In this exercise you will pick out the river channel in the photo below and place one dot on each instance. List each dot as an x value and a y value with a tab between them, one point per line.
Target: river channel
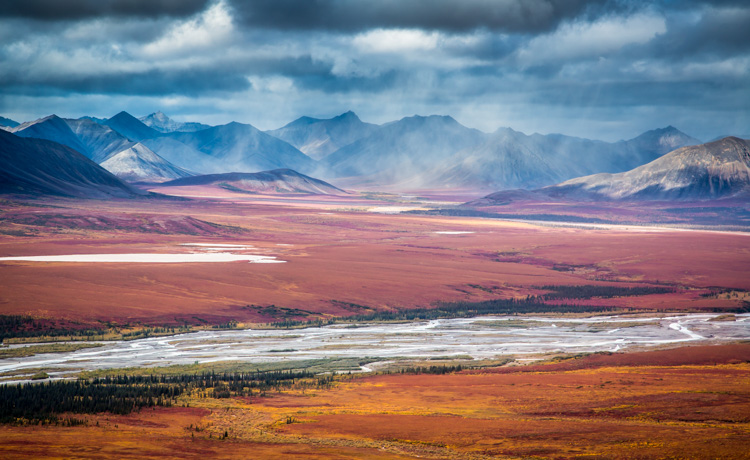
485	337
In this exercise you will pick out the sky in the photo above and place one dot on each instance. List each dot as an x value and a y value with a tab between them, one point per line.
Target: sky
608	69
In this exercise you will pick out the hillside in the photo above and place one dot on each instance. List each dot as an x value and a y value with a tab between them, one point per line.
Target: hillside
275	181
715	169
38	166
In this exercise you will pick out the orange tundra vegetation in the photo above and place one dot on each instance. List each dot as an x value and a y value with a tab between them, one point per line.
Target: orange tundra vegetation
691	402
337	261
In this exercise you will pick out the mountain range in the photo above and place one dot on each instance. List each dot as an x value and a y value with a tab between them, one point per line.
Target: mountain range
417	152
100	143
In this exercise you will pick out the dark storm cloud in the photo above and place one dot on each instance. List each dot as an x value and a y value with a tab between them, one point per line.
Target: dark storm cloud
54	10
330	84
728	96
497	61
149	83
724	31
448	15
220	76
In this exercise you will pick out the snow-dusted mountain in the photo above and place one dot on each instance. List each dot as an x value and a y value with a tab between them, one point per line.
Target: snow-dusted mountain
705	171
100	141
242	147
139	164
130	127
275	181
401	151
438	152
39	166
162	123
318	138
412	153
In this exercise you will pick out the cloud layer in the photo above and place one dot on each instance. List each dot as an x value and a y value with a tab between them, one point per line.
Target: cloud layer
602	69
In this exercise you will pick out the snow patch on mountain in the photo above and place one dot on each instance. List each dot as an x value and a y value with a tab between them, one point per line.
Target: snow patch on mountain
139	164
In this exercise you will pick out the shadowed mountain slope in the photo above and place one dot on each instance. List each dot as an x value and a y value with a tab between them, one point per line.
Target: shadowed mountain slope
131	127
38	166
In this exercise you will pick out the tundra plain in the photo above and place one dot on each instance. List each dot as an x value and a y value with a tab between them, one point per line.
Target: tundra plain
350	256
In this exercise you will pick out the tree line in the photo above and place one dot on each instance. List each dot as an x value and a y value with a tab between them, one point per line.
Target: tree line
525	305
122	394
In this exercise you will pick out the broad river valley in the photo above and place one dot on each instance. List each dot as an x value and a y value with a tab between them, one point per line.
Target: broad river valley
486	337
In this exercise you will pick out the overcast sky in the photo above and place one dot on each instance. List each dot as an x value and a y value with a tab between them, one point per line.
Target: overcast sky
598	69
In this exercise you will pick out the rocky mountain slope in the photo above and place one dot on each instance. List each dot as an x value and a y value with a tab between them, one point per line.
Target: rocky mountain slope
711	170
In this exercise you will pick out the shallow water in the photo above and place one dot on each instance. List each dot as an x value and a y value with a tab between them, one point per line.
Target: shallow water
481	338
205	252
151	258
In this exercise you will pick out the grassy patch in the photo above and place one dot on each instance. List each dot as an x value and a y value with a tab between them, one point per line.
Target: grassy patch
22	352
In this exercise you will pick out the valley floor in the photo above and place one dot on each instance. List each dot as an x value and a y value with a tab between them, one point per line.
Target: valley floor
342	258
684	403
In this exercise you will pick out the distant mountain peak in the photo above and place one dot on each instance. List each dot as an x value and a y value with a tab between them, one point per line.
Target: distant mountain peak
348	115
130	127
122	114
422	119
157	116
49	118
162	123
